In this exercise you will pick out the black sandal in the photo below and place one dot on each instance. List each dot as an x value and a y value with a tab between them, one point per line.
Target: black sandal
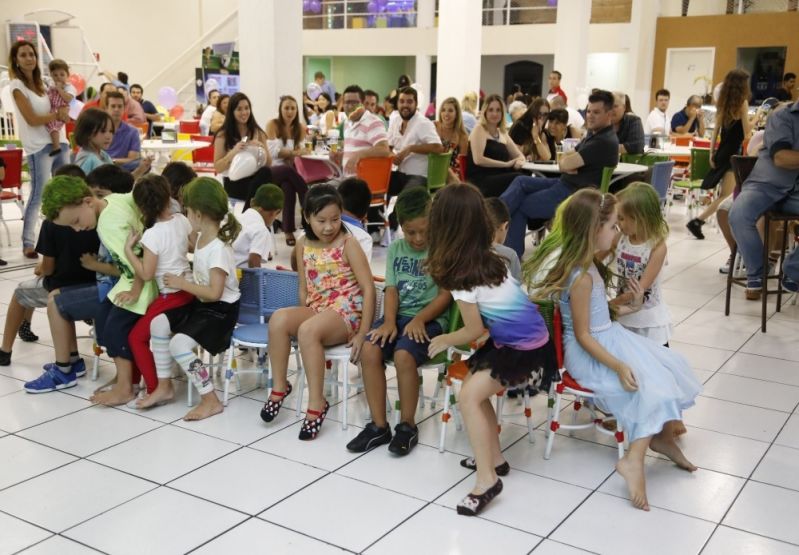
271	408
501	470
310	428
472	504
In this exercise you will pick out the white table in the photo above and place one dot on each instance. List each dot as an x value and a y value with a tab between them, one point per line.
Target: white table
671	150
162	151
335	168
622	170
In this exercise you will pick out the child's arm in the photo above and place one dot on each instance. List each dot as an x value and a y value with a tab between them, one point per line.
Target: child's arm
415	329
472	329
47	266
64	94
142	267
89	261
387	332
130	297
656	259
303	287
580	304
363	273
207	293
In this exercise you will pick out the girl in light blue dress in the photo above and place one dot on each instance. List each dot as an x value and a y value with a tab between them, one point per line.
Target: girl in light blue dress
644	385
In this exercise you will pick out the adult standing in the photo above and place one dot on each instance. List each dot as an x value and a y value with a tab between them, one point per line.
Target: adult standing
285	135
493	158
239	132
554	86
734	125
773	183
32	107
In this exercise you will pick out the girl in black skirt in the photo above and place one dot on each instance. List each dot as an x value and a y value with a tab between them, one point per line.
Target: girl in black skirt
518	349
209	320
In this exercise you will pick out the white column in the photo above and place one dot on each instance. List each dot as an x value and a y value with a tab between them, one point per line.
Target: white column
460	38
571	47
270	48
641	48
425	19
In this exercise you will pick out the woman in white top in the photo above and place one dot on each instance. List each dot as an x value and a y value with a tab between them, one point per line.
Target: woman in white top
208	113
33	114
285	137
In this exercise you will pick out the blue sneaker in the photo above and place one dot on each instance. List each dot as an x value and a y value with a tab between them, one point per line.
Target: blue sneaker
78	368
52	380
789	285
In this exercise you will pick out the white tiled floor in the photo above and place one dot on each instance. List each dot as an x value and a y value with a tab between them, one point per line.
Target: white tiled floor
81	479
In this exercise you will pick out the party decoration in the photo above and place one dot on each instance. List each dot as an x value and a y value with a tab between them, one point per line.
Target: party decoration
211	85
161	110
167	97
177	111
77	81
246	163
75	108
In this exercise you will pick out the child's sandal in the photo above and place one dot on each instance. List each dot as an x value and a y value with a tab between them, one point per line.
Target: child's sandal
310	428
271	408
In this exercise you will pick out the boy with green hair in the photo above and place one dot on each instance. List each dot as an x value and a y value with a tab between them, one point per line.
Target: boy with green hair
255	242
414	312
70	202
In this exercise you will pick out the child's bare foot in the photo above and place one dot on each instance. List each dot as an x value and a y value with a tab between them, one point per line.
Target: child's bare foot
665	445
106	385
114	397
209	406
678	428
633	474
162	395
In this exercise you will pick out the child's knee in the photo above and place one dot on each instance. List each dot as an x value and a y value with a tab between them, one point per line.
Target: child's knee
159	326
309	332
278	322
404	359
371	355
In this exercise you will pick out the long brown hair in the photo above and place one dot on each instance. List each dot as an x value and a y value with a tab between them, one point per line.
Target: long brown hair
230	128
734	91
286	131
460	255
15	72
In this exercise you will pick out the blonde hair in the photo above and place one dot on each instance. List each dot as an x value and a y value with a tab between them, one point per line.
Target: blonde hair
640	202
458	123
502	125
469	102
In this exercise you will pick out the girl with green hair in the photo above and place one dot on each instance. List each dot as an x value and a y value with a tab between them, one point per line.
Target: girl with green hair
209	320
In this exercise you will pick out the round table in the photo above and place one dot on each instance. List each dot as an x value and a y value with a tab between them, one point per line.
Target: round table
671	150
163	151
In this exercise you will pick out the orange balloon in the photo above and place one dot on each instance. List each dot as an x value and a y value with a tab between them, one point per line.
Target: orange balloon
176	111
77	81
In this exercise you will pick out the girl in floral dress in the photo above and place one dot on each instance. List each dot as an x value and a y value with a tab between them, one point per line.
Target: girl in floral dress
337	301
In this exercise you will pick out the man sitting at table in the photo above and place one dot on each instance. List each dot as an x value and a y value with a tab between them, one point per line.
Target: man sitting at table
690	120
125	149
150	111
771	185
576	121
785	92
133	113
628	127
364	134
412	137
538	197
657	122
99	101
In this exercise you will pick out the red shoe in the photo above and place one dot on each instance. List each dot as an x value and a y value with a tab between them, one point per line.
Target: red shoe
310	428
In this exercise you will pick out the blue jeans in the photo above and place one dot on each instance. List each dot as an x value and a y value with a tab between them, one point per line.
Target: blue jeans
747	208
41	167
531	198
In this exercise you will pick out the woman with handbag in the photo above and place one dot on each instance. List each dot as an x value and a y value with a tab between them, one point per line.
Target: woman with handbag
240	152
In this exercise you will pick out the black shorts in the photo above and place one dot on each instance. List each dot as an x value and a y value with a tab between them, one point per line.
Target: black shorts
209	324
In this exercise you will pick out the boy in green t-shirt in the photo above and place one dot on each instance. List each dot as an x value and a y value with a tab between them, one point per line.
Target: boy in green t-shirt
70	202
414	312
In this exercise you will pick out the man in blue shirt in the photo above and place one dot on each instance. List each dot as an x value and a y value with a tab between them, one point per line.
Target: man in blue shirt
125	149
773	184
690	120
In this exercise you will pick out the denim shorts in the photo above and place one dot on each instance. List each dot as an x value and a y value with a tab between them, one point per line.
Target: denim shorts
31	293
78	302
404	343
112	326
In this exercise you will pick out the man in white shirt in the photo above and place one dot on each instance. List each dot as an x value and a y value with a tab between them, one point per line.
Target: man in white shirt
208	113
576	121
658	121
412	137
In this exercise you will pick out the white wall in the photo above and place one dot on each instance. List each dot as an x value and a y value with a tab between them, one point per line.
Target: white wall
492	73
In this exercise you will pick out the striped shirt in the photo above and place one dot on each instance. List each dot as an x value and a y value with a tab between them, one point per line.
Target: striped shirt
362	134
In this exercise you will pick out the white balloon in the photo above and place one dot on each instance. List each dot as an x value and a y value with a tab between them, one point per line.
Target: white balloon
211	85
246	163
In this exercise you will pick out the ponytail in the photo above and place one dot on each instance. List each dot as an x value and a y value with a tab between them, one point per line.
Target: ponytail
230	229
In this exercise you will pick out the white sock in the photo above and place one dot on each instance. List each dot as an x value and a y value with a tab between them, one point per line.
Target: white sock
160	334
182	348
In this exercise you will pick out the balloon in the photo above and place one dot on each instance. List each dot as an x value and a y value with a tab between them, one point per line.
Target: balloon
161	110
167	97
306	5
77	81
246	163
372	7
177	111
316	6
75	108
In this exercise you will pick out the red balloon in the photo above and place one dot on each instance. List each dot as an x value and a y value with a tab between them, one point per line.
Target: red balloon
77	81
176	111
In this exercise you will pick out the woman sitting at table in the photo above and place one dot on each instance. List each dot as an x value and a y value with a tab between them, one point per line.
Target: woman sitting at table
528	132
327	112
557	129
453	136
218	118
493	156
239	132
286	135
